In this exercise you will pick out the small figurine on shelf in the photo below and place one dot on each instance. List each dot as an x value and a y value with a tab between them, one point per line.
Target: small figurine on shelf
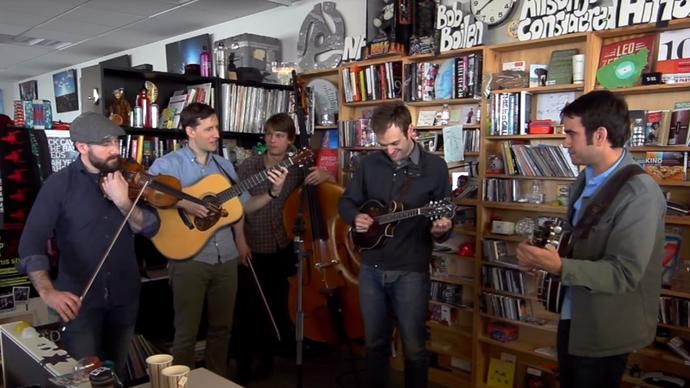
119	108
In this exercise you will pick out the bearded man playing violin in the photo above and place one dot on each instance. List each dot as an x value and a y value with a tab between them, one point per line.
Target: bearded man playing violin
81	207
211	273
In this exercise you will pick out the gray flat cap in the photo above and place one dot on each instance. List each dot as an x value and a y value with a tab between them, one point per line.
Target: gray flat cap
93	128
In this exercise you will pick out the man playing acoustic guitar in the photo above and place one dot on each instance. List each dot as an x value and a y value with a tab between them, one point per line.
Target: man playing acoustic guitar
211	272
395	275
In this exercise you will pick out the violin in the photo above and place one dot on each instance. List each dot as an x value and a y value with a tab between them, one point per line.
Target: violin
162	191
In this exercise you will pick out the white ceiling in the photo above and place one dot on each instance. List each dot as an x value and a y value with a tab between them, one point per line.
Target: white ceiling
81	30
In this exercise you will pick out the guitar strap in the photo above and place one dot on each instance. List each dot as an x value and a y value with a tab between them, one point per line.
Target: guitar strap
227	175
550	288
603	199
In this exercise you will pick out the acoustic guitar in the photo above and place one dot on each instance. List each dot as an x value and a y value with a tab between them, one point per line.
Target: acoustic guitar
385	219
181	235
551	233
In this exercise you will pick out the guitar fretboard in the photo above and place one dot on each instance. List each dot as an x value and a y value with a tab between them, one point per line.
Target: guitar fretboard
397	216
250	182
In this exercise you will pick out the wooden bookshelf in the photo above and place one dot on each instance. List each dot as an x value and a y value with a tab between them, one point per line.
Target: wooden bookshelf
647	97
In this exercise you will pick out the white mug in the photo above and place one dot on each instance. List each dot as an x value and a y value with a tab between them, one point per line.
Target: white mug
175	376
155	365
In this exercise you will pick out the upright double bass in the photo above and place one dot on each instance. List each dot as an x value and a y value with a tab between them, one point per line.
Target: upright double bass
330	296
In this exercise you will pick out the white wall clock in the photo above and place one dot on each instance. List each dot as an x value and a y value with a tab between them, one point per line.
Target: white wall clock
492	12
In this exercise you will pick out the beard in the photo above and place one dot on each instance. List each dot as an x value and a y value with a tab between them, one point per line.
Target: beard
105	166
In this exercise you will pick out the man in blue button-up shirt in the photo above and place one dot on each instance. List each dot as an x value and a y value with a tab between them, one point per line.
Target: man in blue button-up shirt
83	214
211	274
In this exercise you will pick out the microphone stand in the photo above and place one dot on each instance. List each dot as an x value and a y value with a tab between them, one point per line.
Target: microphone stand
298	230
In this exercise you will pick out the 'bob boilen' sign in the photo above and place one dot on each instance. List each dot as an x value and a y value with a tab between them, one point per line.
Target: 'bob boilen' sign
458	30
546	18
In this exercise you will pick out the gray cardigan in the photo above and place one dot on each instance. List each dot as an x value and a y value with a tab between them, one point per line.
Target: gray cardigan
615	273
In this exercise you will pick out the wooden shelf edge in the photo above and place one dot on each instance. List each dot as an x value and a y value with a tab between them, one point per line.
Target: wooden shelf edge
674	293
665	355
660	149
457	330
528	207
450	101
516	346
512	237
371	102
373	61
678	220
524	137
674	327
545	327
319	72
454	306
647	89
552	42
546	178
445	54
453	279
669	183
455	378
464	230
637	381
543	89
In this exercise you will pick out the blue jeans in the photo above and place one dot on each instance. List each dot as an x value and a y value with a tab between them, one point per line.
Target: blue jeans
406	294
590	372
102	332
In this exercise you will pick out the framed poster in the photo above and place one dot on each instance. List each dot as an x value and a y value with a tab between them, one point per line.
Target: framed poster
183	52
28	90
65	87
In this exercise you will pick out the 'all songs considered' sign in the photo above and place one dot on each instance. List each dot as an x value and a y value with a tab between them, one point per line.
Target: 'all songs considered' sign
546	18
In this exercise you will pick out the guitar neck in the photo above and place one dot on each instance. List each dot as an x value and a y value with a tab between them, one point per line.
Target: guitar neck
398	216
249	183
175	193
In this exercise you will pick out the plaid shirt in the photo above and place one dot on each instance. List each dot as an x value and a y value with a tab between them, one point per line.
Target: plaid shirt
264	228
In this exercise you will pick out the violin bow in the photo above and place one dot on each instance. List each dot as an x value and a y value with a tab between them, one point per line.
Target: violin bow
110	247
263	298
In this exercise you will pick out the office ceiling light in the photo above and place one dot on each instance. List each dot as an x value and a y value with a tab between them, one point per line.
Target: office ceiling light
30	41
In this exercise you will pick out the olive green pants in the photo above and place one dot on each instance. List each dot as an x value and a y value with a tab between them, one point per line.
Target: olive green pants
193	282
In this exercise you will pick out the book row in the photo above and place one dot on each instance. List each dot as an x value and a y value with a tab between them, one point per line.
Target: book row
544	160
459	77
510	113
674	311
503	279
446	293
507	307
373	82
245	108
